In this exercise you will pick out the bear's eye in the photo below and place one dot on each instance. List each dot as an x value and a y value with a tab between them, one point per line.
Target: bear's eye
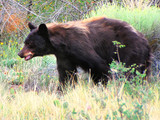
29	44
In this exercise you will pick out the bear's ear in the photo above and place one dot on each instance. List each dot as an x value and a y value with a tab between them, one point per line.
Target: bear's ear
43	30
31	26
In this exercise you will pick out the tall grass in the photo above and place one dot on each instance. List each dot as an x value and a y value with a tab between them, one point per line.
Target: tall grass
138	3
144	20
84	102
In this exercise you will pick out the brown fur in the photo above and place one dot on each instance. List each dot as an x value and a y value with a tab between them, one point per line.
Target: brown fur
89	44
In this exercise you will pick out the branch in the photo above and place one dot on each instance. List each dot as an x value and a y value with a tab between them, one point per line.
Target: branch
28	10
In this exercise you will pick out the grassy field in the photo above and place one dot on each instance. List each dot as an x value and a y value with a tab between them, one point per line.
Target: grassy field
84	102
28	89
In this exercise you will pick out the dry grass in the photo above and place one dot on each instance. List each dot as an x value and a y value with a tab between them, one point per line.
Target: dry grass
141	4
83	102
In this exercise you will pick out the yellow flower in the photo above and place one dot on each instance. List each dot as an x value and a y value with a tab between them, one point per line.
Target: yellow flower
1	43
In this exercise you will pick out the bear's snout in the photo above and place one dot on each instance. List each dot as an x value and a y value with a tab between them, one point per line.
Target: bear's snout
26	54
20	54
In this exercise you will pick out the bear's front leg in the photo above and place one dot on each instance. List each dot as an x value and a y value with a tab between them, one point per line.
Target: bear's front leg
67	73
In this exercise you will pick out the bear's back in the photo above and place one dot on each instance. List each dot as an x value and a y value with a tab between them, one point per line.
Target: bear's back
103	31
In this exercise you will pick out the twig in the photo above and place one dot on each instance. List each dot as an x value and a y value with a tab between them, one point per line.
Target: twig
29	7
72	6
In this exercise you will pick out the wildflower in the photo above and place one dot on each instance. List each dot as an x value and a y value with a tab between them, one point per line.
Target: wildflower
11	41
1	43
5	73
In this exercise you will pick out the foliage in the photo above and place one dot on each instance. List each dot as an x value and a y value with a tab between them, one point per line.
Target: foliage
15	14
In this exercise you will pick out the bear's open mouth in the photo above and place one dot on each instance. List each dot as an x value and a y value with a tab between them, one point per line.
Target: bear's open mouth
28	57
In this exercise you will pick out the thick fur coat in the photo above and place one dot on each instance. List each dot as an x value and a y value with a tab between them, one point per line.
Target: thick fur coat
87	44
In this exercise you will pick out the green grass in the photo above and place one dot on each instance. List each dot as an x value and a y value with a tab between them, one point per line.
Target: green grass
119	100
144	20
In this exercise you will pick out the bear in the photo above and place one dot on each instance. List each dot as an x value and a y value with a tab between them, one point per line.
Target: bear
88	44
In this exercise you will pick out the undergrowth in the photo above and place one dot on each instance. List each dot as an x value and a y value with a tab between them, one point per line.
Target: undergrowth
120	100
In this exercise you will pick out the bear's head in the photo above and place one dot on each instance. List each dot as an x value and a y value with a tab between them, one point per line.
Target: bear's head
37	42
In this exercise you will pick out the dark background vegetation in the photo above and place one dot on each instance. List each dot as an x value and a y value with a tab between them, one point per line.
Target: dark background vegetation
15	14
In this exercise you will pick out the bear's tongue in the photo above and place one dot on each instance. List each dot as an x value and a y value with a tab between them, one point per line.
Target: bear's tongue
28	57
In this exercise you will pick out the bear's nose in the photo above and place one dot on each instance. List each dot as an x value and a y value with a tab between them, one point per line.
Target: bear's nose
20	54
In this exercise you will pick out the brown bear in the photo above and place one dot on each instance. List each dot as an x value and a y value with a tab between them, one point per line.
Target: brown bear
87	44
